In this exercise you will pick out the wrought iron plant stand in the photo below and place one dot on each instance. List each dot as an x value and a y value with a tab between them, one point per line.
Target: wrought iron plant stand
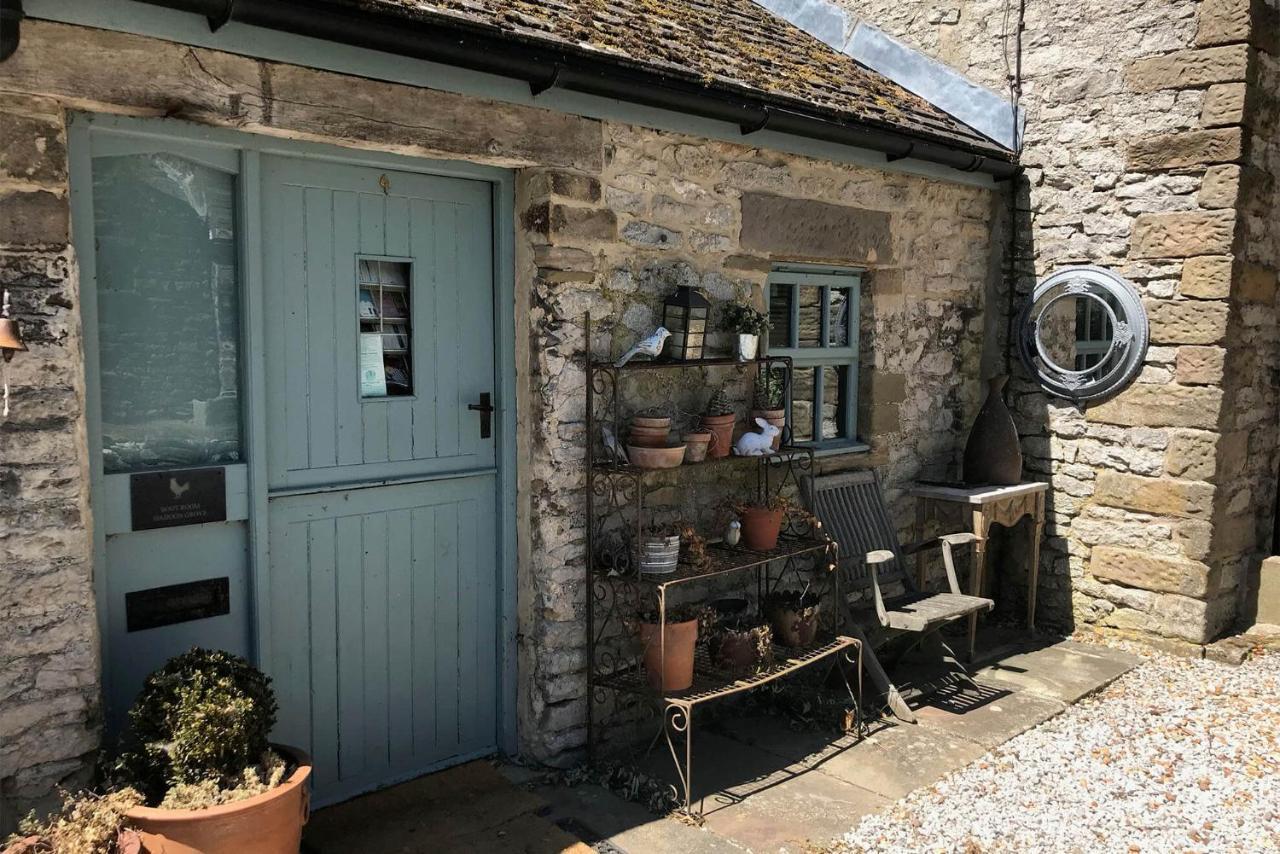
618	593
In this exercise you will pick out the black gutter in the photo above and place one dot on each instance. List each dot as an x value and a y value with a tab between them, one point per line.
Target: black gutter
465	46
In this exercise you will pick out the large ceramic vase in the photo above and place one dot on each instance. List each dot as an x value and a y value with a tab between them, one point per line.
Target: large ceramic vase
992	455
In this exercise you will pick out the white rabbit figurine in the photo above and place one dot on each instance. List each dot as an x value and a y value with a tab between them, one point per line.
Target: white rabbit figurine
757	444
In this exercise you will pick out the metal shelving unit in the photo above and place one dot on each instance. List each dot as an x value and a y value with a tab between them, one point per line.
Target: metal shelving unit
618	593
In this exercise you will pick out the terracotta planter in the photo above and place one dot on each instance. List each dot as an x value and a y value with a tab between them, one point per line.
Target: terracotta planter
663	457
737	648
776	417
656	421
696	445
793	628
760	527
721	427
270	823
648	437
669	665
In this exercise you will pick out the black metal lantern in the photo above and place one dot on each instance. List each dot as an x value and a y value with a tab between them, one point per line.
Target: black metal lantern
684	314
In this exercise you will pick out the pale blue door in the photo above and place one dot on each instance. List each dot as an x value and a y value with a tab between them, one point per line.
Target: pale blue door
382	630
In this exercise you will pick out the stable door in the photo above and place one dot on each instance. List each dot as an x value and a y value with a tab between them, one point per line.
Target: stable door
381	633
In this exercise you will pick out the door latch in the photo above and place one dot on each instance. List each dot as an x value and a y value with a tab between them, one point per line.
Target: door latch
485	408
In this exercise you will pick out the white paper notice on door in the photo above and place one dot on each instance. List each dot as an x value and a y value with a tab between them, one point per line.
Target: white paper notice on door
373	376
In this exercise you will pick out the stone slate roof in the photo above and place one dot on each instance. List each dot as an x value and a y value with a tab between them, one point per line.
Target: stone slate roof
732	44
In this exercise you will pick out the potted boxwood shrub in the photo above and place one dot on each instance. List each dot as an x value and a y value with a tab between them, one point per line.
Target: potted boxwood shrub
668	650
198	753
719	418
748	324
770	399
794	616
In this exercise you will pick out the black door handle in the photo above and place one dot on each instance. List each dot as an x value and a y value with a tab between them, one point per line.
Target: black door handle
485	408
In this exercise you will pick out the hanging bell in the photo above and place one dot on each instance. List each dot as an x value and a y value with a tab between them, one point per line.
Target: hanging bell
10	334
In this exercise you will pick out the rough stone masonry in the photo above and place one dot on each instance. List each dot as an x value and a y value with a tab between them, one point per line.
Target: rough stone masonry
610	217
1150	148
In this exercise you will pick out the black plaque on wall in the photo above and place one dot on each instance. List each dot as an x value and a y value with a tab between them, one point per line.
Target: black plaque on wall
164	499
177	603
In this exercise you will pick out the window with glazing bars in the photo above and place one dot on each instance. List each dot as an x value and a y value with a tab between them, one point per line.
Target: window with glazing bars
814	318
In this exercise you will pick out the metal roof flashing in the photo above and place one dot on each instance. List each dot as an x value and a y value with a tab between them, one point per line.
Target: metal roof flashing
980	108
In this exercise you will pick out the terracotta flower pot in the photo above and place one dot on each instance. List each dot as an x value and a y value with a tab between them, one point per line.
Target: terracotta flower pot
793	628
270	823
776	417
696	445
657	457
648	437
655	421
721	427
669	665
741	647
760	527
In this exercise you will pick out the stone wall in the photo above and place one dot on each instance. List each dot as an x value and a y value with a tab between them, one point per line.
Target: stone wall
609	217
1149	148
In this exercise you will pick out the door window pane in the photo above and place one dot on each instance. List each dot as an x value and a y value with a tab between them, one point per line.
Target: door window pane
780	316
838	324
802	404
833	408
168	312
385	342
810	316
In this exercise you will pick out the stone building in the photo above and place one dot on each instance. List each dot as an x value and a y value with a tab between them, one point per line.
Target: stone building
534	165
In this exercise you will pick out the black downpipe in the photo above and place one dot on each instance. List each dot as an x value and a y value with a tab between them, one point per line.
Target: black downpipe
543	67
11	16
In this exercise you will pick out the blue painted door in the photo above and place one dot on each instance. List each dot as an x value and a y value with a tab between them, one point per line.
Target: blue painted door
382	631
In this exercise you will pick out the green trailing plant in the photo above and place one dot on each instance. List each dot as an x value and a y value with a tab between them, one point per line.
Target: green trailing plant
719	403
200	724
770	389
742	319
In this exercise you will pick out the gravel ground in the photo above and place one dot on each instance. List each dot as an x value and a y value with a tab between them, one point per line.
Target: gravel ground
1176	756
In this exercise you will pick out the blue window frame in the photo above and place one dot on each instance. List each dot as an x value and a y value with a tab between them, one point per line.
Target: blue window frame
814	313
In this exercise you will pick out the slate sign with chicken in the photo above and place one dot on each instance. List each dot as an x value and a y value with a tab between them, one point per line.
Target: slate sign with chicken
164	499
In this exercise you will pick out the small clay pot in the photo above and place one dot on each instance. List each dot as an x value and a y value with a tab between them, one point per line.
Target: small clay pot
793	628
776	417
648	437
696	445
760	528
269	823
667	457
668	655
721	427
654	421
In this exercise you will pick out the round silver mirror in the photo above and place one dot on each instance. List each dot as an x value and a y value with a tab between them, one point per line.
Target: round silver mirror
1083	334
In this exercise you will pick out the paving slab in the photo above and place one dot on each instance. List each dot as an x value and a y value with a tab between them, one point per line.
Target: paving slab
464	809
1066	671
993	717
610	824
763	802
892	761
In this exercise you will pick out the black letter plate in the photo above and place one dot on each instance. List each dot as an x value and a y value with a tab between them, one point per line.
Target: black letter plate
176	603
164	499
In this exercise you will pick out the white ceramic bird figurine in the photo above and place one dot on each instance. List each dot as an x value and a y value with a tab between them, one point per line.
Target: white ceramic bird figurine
650	346
611	445
733	533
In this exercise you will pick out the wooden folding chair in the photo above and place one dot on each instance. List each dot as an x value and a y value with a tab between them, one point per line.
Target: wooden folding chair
881	602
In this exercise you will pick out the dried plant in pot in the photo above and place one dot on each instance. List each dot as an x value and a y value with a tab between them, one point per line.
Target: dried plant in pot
649	428
197	750
741	644
668	647
794	616
761	522
769	400
719	418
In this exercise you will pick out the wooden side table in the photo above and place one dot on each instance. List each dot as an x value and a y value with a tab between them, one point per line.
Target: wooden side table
987	506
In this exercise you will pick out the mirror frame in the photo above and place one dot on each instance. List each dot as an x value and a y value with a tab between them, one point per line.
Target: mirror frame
1129	342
